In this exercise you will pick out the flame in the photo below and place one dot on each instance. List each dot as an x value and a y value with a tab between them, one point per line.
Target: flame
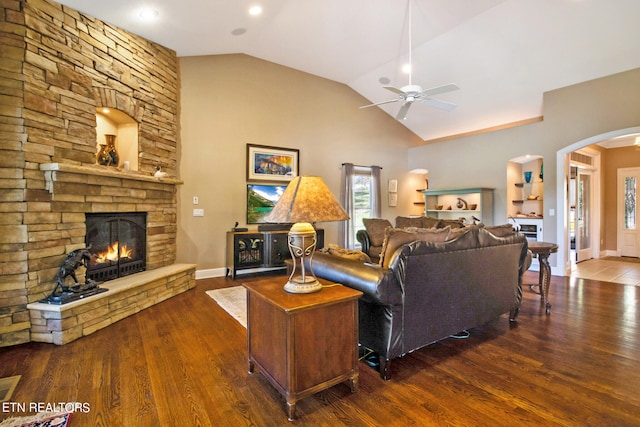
111	254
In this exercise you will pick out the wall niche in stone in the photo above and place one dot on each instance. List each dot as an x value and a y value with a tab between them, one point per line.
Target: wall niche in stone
111	121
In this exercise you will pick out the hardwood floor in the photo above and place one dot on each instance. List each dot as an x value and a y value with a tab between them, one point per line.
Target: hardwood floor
183	363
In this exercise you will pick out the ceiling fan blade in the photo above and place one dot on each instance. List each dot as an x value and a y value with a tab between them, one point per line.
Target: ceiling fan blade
395	90
380	103
402	114
442	105
440	89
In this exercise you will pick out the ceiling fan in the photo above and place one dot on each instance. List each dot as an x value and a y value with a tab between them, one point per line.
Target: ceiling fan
410	93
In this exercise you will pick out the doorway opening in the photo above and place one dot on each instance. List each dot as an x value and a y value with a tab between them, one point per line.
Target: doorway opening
584	204
563	174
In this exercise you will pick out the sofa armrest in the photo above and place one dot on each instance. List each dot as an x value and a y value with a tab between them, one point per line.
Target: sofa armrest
378	284
363	237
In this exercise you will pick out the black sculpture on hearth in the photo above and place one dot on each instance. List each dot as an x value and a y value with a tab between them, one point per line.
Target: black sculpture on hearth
63	293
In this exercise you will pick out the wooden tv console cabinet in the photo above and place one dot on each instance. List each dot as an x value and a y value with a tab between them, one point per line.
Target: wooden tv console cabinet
258	251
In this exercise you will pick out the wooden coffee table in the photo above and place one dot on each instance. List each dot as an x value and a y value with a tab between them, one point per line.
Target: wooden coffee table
302	343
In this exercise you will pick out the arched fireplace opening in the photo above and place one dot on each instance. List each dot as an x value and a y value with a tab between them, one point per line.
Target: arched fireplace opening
117	242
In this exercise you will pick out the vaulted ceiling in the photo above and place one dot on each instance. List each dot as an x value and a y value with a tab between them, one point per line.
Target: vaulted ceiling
503	54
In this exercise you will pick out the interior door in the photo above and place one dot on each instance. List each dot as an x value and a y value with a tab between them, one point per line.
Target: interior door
584	206
627	196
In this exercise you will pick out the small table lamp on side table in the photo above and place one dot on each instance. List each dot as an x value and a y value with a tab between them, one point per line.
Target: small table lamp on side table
306	200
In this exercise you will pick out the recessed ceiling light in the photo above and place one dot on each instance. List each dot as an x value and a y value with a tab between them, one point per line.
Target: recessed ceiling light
149	14
384	80
255	10
106	110
239	31
406	68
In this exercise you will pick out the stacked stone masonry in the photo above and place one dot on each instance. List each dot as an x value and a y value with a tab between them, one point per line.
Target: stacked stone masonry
125	296
58	65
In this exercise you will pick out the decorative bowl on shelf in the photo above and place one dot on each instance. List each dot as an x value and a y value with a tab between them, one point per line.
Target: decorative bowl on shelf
439	207
473	206
532	197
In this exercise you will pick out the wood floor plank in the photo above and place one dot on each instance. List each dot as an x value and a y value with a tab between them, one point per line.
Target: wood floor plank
184	363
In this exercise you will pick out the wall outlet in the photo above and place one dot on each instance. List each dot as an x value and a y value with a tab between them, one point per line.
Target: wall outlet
198	212
196	200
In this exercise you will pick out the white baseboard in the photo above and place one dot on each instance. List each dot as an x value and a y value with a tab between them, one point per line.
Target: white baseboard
608	252
211	272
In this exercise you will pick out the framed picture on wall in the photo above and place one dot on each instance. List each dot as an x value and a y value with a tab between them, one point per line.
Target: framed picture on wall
265	163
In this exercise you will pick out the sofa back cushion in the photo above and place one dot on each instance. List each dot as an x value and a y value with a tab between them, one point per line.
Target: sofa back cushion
417	222
453	223
396	237
351	254
503	230
375	229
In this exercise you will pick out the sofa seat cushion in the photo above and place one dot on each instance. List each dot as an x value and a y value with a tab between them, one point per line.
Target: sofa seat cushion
375	229
396	237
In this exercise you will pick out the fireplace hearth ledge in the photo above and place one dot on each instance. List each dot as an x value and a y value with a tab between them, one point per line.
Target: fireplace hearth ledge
61	324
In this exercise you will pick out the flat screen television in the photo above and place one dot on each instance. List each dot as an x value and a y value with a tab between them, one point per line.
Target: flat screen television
261	198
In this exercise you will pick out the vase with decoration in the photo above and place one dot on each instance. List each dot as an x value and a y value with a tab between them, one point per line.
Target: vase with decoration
108	155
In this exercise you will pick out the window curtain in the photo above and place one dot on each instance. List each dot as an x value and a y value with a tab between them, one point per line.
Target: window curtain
345	233
376	203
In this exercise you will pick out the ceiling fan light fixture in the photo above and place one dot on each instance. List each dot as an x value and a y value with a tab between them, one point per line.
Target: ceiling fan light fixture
410	93
148	14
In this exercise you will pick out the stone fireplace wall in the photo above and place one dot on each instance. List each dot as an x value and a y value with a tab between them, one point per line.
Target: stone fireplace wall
57	66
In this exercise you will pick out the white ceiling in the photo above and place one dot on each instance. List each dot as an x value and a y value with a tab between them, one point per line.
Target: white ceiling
503	54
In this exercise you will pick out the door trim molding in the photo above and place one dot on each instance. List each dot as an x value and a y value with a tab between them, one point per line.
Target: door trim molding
563	266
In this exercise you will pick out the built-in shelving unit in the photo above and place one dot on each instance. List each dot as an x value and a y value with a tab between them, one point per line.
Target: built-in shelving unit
472	204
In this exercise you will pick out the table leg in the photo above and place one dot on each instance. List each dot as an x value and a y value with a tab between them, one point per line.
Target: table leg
291	410
545	278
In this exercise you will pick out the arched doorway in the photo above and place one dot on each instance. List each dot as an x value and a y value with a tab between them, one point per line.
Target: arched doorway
563	173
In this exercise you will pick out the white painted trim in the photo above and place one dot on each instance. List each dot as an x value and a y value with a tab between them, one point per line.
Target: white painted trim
211	272
563	267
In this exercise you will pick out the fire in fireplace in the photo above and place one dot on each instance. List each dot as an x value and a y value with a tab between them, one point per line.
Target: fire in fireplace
117	242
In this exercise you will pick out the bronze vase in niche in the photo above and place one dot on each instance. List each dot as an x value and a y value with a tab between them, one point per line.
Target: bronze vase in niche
103	157
108	155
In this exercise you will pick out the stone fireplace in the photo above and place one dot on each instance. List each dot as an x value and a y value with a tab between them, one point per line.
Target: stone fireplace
58	66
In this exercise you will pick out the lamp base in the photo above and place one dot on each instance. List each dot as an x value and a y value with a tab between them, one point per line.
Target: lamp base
302	243
298	285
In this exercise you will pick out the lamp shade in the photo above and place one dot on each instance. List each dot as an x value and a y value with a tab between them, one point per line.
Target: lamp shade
307	199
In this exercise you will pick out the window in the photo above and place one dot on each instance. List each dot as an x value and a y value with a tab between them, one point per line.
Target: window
630	203
360	197
362	182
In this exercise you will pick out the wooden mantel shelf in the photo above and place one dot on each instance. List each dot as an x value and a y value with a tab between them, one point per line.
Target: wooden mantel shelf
50	170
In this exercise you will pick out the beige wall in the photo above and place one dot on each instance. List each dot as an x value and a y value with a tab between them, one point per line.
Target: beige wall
571	115
228	101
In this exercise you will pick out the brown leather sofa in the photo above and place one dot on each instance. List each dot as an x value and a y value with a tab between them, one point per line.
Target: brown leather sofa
426	291
371	238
